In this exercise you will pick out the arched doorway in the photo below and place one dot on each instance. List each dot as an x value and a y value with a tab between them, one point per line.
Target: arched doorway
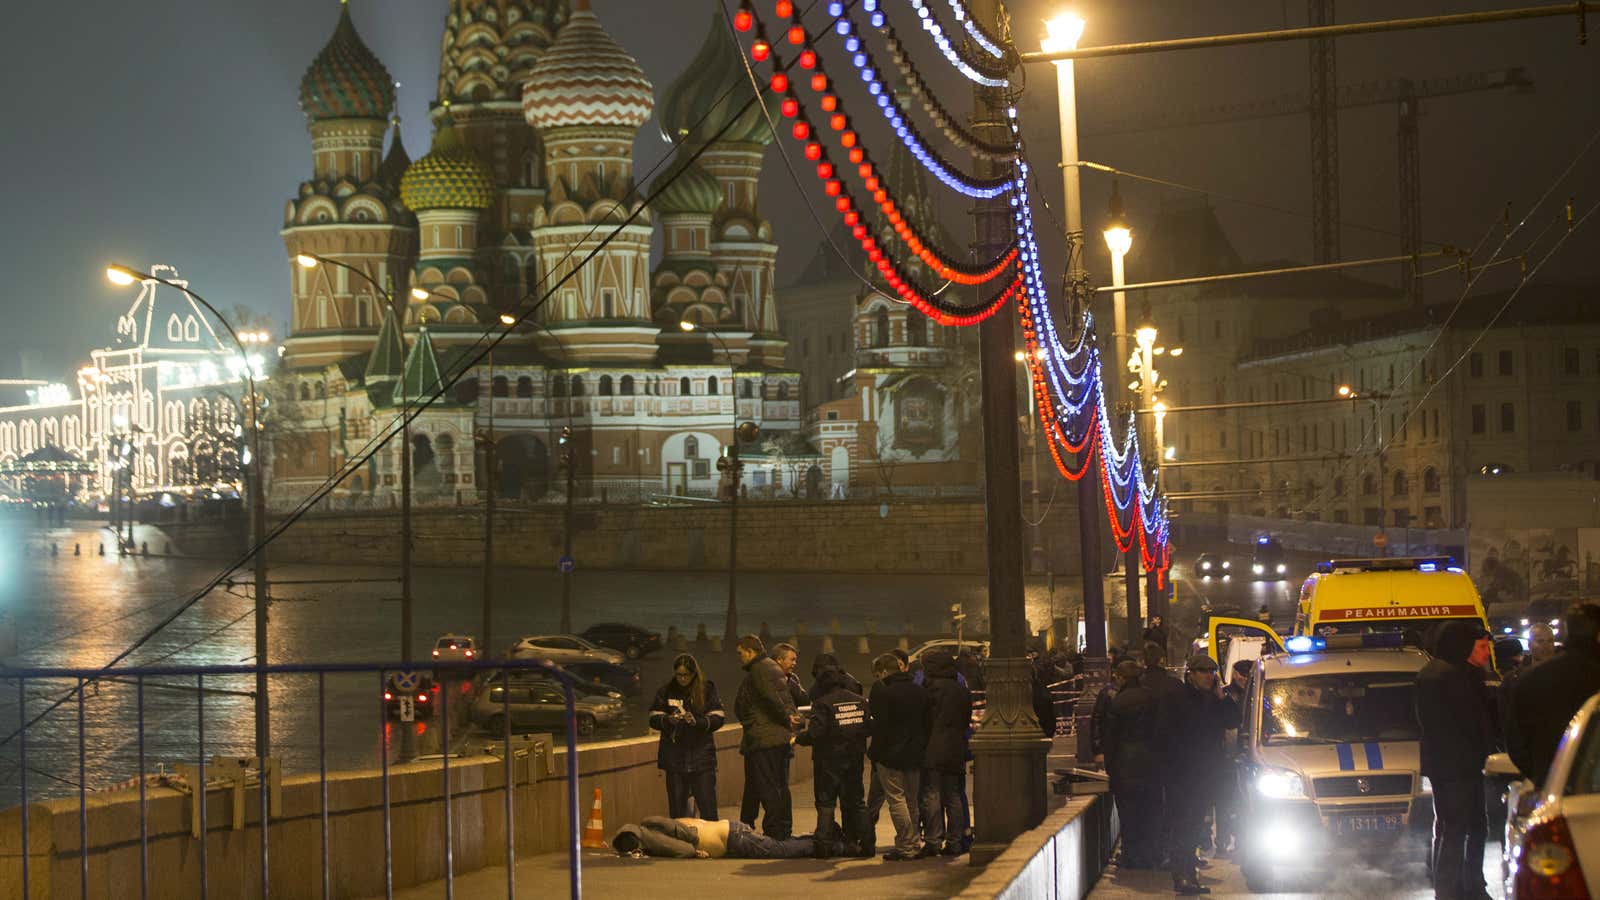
524	463
424	464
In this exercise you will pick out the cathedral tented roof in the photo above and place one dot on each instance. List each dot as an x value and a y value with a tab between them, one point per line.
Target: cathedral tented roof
388	355
421	378
346	80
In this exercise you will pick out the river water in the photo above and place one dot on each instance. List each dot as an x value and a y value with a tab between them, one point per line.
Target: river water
82	610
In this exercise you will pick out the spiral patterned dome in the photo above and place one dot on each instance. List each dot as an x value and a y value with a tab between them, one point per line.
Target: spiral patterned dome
586	78
346	80
698	104
691	190
449	177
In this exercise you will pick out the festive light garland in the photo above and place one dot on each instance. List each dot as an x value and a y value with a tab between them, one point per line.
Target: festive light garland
949	124
985	72
977	32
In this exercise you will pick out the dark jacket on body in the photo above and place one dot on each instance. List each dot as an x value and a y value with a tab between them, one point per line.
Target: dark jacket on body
1543	701
1453	708
1194	724
1132	739
902	715
838	725
797	694
952	715
686	746
763	706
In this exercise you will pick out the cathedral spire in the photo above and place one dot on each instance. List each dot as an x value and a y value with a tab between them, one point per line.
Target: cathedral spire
388	354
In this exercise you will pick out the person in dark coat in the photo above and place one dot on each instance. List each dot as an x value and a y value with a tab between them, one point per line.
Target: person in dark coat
1097	714
837	728
825	661
1156	677
1195	720
902	716
944	766
1133	752
1230	790
1044	703
1156	633
1458	731
687	711
768	715
874	783
1545	697
788	658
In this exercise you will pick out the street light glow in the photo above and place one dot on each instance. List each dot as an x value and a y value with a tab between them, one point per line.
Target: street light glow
419	294
1146	334
1063	32
119	275
1019	356
1175	351
507	319
1344	391
686	325
305	261
1119	238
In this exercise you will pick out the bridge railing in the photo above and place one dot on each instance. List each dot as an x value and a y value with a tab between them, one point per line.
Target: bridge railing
49	744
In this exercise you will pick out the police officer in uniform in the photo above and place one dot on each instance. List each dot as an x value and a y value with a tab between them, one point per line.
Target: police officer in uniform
837	730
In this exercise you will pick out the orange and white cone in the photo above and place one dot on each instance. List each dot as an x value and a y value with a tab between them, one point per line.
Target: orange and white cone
594	833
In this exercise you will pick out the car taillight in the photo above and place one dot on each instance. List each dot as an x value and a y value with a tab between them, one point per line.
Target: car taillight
435	653
422	698
469	654
1547	863
387	695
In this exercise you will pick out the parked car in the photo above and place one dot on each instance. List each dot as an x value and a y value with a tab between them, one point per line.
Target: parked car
586	687
541	706
1553	834
563	649
979	649
427	696
624	679
631	640
1212	565
455	647
1269	562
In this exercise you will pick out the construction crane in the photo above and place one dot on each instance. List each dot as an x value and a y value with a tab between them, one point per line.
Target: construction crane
1403	92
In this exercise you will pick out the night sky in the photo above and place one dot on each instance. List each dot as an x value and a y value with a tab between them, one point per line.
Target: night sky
168	131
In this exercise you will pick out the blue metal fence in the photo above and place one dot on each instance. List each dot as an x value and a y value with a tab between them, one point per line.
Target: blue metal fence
84	680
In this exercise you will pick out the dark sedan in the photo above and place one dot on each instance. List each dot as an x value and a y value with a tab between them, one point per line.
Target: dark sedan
630	640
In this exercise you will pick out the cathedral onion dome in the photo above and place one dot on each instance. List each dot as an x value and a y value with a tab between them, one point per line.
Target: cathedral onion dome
449	177
586	79
698	104
346	80
687	189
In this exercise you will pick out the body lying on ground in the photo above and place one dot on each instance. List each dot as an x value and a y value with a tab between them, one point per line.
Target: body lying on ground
690	838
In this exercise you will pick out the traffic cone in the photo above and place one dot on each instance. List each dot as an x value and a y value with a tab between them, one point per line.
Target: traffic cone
594	833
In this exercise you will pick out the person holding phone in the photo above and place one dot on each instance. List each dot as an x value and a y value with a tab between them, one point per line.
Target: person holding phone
687	711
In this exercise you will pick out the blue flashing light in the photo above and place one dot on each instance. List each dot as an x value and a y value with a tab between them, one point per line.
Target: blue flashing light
1455	569
1305	643
1427	567
1263	539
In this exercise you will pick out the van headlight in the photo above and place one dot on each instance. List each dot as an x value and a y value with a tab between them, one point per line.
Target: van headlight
1282	568
1258	568
1280	784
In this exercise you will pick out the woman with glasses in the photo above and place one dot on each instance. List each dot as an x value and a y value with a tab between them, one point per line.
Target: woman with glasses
687	711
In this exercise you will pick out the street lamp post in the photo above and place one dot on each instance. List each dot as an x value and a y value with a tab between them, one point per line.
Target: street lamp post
491	487
123	275
1119	239
732	468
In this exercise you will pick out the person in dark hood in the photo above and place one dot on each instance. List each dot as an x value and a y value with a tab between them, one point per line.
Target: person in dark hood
837	728
1195	720
1133	752
824	661
687	711
944	764
1458	732
1549	693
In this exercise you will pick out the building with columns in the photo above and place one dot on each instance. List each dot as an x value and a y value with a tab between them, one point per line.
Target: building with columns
530	169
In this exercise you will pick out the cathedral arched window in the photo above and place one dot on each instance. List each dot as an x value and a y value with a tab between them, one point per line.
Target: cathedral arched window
305	391
501	386
577	385
880	330
322	391
530	170
711	385
916	330
745	390
627	385
783	390
683	386
605	385
691	447
558	386
524	387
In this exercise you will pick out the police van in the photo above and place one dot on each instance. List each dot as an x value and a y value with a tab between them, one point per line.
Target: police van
1406	595
1331	760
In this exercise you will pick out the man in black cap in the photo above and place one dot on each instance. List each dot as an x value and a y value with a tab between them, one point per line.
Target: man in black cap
1196	718
1458	733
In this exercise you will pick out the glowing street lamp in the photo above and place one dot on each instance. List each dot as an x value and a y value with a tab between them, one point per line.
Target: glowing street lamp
1062	33
507	319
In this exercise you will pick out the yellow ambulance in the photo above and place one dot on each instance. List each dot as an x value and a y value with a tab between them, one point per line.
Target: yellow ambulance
1371	596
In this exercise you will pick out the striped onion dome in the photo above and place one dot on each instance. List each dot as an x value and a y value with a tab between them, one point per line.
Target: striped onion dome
696	106
346	80
687	189
449	177
585	78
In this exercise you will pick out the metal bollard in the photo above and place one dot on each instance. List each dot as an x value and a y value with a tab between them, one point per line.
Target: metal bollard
77	549
144	548
716	643
700	633
863	648
827	643
904	644
102	549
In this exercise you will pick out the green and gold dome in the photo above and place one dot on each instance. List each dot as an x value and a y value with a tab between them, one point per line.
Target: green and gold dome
449	177
698	104
346	80
687	189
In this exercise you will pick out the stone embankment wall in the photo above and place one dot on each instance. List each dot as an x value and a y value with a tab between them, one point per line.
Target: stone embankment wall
625	772
921	536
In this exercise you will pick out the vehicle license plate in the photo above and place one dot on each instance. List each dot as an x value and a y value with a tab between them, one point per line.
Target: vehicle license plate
1366	824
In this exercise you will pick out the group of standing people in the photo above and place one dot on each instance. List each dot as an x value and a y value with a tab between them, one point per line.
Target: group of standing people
1164	745
913	728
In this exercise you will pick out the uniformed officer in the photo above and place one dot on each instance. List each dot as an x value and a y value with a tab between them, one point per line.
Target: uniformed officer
837	730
